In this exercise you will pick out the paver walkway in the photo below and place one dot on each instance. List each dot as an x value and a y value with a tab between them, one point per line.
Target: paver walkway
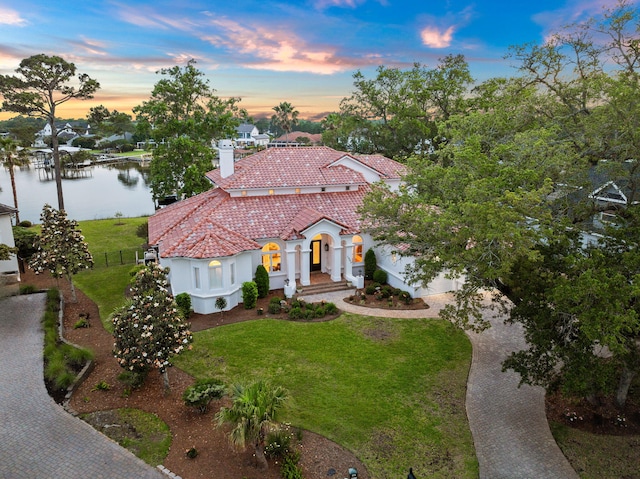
509	425
38	438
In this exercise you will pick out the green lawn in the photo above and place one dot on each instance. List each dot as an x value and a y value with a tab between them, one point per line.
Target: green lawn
106	285
392	391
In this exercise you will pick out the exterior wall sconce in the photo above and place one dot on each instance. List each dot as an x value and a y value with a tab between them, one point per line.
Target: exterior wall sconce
326	246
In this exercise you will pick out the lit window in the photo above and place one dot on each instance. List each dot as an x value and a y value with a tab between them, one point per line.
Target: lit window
297	190
270	192
271	257
244	192
196	277
357	249
215	274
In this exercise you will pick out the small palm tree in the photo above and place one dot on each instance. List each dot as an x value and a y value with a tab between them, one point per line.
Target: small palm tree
11	155
286	117
254	408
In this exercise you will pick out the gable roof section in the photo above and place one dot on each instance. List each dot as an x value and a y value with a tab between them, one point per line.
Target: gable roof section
228	225
210	240
287	167
387	168
7	210
305	218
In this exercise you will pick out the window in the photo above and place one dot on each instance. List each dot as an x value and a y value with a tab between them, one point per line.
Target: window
271	257
215	274
232	273
196	278
357	249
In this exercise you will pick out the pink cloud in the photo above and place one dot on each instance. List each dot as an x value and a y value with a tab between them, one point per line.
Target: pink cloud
274	50
437	38
11	17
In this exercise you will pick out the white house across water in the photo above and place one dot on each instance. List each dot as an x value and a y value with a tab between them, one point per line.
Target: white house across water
293	210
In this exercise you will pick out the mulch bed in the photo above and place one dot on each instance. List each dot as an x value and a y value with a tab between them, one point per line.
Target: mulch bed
216	458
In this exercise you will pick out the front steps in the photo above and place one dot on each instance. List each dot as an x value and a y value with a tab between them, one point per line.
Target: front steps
321	288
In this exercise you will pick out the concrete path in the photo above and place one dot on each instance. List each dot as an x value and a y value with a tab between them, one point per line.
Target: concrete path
509	425
38	438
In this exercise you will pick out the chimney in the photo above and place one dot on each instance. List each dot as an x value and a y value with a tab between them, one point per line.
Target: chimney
225	155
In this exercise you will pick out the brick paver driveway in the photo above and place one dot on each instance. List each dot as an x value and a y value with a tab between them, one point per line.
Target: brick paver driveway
38	438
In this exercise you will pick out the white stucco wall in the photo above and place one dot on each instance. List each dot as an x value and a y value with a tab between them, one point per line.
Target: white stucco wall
6	237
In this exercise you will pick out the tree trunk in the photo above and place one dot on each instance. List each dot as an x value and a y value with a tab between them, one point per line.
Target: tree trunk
12	175
623	386
74	298
260	457
165	380
56	161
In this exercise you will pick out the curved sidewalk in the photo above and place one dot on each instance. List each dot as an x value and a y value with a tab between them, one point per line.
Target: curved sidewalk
38	438
508	423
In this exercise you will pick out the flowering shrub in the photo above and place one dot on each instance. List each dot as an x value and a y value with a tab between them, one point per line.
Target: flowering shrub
61	248
202	393
150	330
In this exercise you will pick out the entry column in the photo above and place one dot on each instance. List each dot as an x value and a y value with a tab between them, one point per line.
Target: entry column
337	264
305	267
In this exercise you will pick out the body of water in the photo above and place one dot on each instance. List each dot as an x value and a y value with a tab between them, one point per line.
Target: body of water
94	192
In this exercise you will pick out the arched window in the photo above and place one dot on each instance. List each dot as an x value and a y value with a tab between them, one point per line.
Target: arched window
357	249
215	274
271	257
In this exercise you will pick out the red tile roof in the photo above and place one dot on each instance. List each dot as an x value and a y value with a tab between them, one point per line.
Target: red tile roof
215	224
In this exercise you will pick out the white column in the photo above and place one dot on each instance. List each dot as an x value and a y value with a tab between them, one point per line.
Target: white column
305	279
290	289
337	263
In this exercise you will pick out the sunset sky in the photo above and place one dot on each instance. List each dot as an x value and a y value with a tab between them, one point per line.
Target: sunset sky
266	51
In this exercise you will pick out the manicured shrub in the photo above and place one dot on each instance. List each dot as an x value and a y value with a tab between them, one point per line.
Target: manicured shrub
309	315
25	224
330	308
405	296
132	379
277	443
183	300
202	393
274	308
320	312
142	231
262	281
370	264
370	289
249	294
221	303
380	276
295	313
290	467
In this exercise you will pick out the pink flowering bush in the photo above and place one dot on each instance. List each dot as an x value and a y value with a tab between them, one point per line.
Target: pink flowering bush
61	248
150	329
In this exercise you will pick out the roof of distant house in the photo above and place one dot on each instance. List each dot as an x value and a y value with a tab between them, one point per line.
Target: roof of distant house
7	210
315	138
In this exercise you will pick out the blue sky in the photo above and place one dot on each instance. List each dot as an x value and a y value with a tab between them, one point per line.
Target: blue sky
267	51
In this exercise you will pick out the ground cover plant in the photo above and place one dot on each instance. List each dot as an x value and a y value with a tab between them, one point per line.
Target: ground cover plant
391	391
142	433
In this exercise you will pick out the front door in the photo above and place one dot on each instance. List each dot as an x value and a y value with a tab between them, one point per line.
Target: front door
316	263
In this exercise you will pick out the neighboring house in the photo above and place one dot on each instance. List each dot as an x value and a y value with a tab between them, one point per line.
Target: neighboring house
293	210
291	139
126	136
248	135
66	133
9	272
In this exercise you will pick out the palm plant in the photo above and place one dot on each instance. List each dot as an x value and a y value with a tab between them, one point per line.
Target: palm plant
254	409
11	155
286	117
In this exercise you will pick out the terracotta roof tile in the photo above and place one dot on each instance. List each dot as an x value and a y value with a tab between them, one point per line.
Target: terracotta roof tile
215	224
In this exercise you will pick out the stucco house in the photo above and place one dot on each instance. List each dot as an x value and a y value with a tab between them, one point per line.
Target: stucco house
9	272
293	210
